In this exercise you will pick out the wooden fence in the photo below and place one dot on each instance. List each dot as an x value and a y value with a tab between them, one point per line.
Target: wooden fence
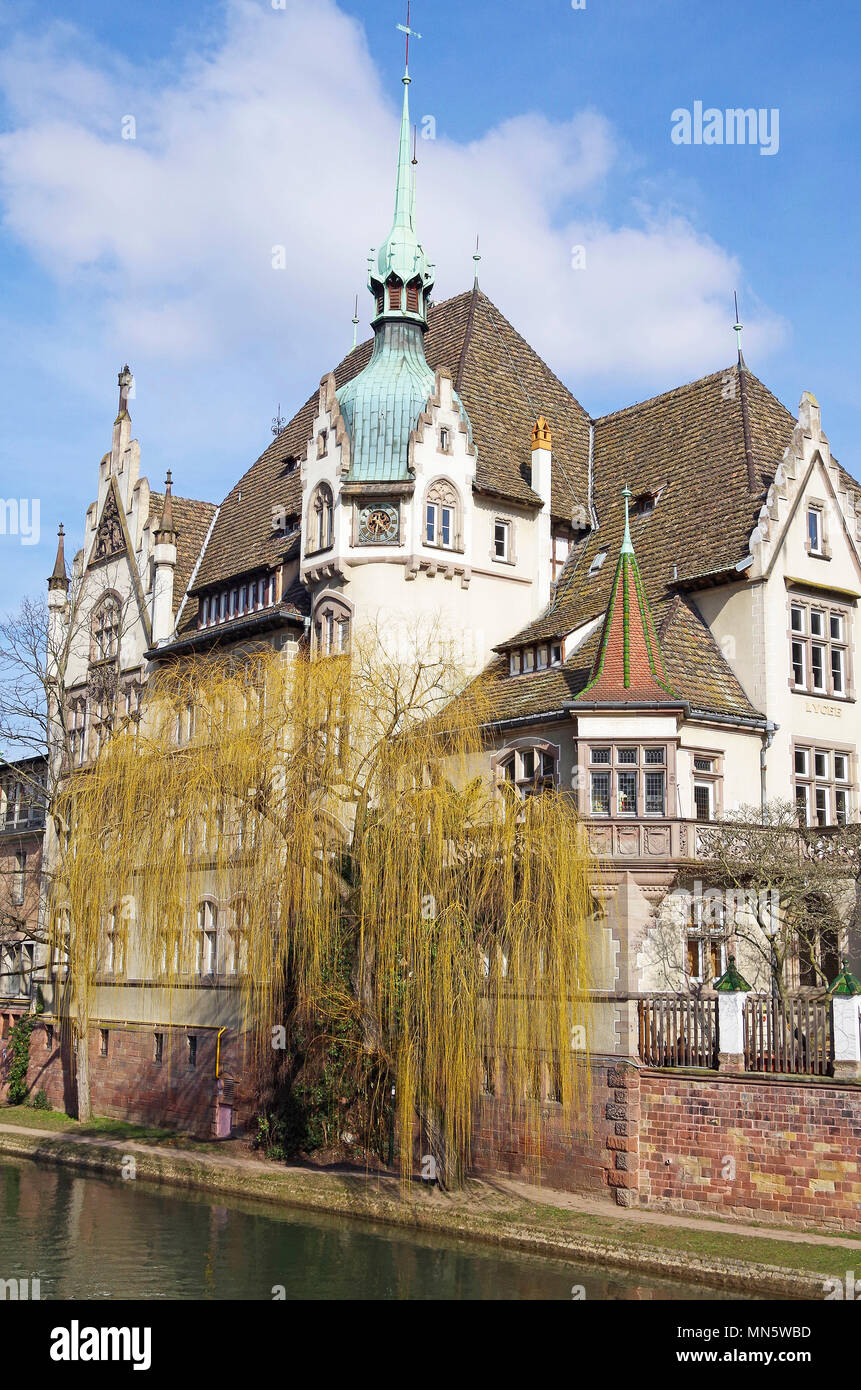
793	1037
678	1031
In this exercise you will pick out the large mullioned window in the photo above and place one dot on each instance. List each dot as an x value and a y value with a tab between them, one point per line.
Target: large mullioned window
627	780
819	648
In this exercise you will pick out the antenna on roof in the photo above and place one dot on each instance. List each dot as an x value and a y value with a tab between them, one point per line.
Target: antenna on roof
355	320
277	422
737	327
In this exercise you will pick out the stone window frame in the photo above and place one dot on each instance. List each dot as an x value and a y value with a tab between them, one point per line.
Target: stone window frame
820	507
510	557
713	778
335	607
110	599
116	943
512	755
830	783
443	492
612	766
206	938
321	503
804	638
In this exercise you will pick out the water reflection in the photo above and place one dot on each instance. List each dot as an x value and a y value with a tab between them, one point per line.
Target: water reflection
90	1238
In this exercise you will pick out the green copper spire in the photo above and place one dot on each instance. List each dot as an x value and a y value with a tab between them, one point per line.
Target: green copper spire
400	276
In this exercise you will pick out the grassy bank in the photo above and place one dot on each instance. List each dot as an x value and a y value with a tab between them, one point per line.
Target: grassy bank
755	1263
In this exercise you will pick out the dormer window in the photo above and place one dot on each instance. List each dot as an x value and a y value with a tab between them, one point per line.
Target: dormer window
290	463
597	562
643	504
523	660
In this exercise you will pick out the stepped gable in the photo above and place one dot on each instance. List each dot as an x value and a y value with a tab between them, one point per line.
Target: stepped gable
503	384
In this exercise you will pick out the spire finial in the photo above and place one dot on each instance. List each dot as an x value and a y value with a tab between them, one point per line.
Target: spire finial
476	257
737	327
627	545
165	525
410	33
58	577
355	321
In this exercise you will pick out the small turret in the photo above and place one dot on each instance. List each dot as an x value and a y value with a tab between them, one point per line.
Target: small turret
58	580
164	562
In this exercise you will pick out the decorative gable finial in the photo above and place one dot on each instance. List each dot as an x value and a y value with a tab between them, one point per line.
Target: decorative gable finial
58	578
165	526
541	437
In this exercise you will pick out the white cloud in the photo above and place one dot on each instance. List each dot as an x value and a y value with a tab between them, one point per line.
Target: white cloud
281	134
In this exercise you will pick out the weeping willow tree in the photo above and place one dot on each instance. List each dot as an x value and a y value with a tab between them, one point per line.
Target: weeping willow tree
339	808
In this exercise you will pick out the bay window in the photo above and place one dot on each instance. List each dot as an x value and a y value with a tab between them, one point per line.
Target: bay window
627	780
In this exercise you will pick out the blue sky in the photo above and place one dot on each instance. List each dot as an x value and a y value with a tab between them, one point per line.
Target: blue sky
258	127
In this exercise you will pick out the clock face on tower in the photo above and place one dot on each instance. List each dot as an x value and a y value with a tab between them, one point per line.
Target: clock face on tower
378	524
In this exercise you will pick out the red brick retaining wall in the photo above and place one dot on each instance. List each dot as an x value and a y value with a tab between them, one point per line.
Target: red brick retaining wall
128	1083
782	1151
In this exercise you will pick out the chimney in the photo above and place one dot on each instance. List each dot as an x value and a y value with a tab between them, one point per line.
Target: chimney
541	478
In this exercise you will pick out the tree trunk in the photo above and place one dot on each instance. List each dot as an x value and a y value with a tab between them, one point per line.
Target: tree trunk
446	1173
82	1068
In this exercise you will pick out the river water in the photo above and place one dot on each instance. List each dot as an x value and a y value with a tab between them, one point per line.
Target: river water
86	1237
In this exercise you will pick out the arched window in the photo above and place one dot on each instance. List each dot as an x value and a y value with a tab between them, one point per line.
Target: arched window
442	515
332	618
207	938
320	519
528	768
106	629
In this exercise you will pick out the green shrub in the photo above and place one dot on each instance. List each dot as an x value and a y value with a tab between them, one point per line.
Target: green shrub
40	1101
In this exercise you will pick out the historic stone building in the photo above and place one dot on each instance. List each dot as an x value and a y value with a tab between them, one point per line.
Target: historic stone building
666	599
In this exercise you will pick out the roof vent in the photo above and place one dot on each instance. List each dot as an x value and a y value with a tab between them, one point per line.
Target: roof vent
597	562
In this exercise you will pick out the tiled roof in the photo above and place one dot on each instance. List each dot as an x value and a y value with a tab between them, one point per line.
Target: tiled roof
695	667
504	385
191	521
689	444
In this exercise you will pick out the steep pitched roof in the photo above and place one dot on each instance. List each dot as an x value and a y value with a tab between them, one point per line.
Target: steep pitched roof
688	446
190	520
504	385
628	665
